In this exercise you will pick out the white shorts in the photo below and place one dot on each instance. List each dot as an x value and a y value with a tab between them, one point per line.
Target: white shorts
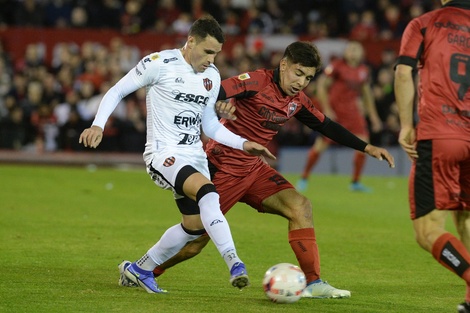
165	165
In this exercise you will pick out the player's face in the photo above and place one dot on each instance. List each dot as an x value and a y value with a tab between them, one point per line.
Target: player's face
354	53
203	52
294	77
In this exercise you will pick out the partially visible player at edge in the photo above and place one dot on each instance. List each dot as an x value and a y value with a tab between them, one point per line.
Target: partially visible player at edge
265	100
182	87
437	44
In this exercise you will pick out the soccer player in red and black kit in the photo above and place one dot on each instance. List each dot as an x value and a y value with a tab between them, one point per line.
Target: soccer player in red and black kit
339	88
264	101
438	45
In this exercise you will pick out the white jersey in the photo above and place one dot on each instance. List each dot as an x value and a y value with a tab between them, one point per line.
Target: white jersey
179	100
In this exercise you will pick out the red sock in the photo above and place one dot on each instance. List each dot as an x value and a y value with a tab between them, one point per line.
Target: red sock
158	271
304	244
452	254
312	159
359	161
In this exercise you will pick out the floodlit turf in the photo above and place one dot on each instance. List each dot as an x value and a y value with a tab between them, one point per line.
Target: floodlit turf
64	230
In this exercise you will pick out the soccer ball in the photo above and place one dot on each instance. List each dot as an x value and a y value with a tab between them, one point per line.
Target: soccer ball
284	283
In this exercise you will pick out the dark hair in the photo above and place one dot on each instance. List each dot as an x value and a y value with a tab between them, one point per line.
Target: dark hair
303	53
205	26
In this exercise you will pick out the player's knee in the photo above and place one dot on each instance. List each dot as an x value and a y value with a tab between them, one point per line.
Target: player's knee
301	211
204	190
305	208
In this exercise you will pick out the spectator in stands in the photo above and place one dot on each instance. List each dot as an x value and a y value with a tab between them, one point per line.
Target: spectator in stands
5	86
29	13
366	28
58	13
69	132
13	129
105	13
45	127
386	109
79	17
392	24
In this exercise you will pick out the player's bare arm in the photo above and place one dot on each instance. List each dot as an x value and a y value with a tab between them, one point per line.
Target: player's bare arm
369	102
323	84
380	153
91	137
404	93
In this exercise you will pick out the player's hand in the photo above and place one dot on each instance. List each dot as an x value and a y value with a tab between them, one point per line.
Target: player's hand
225	110
91	137
407	140
380	153
254	148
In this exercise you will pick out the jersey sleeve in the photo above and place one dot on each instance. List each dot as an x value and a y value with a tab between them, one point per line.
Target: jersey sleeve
242	86
141	75
309	115
411	44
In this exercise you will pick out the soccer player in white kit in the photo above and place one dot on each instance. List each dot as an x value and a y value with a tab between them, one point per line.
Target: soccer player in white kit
182	87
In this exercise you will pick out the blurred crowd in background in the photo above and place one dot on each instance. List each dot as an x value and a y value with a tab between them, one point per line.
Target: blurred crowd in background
44	106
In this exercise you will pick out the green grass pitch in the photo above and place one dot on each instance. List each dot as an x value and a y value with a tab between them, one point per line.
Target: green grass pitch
64	230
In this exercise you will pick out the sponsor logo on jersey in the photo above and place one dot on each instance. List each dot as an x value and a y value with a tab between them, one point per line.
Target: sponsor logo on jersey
169	161
291	107
453	26
189	97
188	120
244	76
179	80
169	60
273	120
207	83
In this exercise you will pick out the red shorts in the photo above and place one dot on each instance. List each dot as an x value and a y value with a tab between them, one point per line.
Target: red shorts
440	177
260	183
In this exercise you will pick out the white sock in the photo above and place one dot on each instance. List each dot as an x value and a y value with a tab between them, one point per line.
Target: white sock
172	241
217	227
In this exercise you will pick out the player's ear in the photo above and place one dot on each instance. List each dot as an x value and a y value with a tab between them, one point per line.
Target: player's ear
191	42
283	64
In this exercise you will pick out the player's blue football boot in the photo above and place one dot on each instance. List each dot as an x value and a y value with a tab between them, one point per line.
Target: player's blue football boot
358	187
302	184
239	276
144	279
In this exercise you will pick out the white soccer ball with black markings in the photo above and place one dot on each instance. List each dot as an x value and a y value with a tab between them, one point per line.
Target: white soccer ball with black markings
284	283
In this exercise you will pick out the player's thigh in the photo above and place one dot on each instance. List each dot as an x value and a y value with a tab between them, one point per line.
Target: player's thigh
232	188
171	169
439	178
265	194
